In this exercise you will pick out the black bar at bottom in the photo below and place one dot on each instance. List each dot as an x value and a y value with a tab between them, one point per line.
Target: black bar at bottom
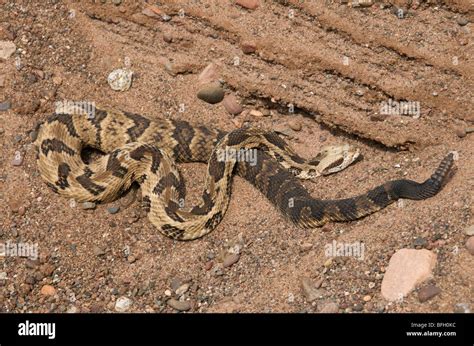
350	329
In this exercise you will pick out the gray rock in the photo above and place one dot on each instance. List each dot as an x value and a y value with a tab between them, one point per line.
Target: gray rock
88	205
428	292
4	106
311	293
462	21
462	308
328	307
113	210
180	306
211	93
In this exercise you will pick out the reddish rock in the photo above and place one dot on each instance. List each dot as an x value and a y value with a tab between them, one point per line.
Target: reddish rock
407	268
48	290
470	245
248	47
249	4
232	105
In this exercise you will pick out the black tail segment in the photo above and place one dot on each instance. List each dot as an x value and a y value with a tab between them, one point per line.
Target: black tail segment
413	190
294	201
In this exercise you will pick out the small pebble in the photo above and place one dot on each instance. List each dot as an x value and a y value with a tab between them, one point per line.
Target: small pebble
460	132
248	47
420	242
367	298
469	230
462	21
249	4
165	18
232	105
208	265
120	79
470	245
311	293
371	285
152	11
230	260
4	106
328	307
256	113
378	117
306	247
98	251
209	74
462	308
18	159
294	124
7	48
168	293
47	269
88	205
358	307
428	292
211	93
113	210
123	304
48	290
180	306
72	310
182	289
57	80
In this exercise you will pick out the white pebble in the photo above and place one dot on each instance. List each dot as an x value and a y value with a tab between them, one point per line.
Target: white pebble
123	304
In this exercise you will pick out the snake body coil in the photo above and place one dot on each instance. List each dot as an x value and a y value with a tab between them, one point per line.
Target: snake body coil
142	150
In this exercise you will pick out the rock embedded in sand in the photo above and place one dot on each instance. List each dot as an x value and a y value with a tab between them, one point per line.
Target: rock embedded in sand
469	230
470	245
249	4
232	105
178	305
428	292
309	290
328	308
7	48
48	290
123	304
209	74
211	93
407	268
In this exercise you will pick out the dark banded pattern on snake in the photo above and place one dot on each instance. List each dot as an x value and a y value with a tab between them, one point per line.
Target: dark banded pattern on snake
139	149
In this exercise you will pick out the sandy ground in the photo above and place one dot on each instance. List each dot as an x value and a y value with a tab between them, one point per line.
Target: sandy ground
334	63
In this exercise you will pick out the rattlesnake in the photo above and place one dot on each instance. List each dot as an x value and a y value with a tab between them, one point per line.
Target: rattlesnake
143	150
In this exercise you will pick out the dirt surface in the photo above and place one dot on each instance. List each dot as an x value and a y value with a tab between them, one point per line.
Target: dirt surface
327	66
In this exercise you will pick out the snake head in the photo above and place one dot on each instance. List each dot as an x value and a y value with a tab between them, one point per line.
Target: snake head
335	158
